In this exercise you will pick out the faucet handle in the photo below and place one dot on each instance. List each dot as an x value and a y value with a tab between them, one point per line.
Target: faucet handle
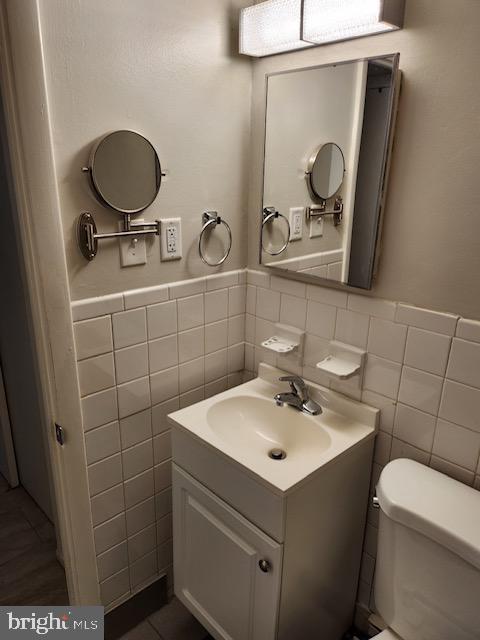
297	384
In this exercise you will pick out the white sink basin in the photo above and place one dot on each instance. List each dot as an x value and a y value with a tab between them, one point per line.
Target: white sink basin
245	424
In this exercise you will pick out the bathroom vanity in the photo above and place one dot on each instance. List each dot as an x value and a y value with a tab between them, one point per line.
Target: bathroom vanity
270	548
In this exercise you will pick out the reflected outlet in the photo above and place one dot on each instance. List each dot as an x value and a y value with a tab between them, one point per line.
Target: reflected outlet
296	223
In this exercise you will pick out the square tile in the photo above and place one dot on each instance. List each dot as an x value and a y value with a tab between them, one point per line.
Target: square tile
236	329
461	405
164	529
112	561
321	319
144	569
163	502
293	311
251	299
140	516
215	365
110	533
326	295
292	287
387	408
425	319
464	363
99	408
452	470
387	339
163	353
163	476
105	474
401	449
159	415
129	328
216	305
456	444
414	427
237	300
131	363
468	330
316	350
93	337
382	376
115	587
191	375
258	278
250	328
216	336
142	543
383	446
162	319
191	312
96	374
107	505
376	307
420	390
137	459
136	428
352	328
162	447
427	351
102	442
164	385
165	557
216	387
268	304
139	488
133	397
191	344
192	397
264	329
236	358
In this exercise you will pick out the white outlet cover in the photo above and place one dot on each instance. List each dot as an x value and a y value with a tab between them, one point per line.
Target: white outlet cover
316	227
296	223
170	238
133	250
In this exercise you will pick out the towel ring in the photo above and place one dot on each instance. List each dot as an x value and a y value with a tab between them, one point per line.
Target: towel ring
211	219
269	214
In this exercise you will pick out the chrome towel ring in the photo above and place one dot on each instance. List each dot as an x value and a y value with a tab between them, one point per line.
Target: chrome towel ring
210	220
270	214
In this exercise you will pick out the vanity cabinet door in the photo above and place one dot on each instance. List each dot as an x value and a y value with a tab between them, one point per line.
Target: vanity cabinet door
226	571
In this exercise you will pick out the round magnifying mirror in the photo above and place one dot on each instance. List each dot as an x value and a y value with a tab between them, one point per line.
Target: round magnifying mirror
326	170
125	171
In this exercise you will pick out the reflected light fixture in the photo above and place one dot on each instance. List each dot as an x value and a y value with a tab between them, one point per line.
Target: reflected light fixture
276	26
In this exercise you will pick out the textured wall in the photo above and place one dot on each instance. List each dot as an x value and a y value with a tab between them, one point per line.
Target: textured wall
170	71
431	251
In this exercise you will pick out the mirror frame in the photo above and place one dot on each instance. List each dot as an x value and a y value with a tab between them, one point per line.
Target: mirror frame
387	156
95	187
311	165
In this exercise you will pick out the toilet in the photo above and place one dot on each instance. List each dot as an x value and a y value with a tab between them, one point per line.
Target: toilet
427	583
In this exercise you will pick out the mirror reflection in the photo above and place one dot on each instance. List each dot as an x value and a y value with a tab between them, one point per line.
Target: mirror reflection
332	198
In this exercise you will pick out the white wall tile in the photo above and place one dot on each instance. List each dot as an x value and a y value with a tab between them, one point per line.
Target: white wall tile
165	555
372	306
131	363
133	397
316	349
142	543
426	319
222	280
144	569
191	397
94	307
334	271
236	358
237	300
401	449
102	442
96	374
216	336
129	328
452	470
250	328
352	328
321	319
383	446
387	408
464	363
382	376
164	529
110	533
387	339
268	304
162	447
159	415
187	288
163	476
236	329
427	350
263	329
258	278
191	312
327	296
145	296
107	505
414	427
468	330
105	474
140	516
163	503
191	375
115	587
112	561
215	365
191	344
99	408
457	445
162	319
216	387
93	337
251	300
292	287
163	353
136	428
164	385
137	459
139	488
420	390
293	311
461	405
216	305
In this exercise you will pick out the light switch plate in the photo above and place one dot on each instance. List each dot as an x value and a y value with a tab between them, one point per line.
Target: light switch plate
316	227
171	238
296	223
133	249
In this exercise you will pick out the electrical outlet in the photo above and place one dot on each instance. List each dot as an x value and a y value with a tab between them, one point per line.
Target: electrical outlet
296	223
316	227
133	249
171	239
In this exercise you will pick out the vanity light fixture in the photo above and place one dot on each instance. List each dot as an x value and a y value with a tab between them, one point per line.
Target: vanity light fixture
277	26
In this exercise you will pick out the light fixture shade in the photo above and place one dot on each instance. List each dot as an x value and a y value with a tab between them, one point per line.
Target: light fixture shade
271	27
333	20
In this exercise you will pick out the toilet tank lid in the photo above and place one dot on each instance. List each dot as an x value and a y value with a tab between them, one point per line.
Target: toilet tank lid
433	504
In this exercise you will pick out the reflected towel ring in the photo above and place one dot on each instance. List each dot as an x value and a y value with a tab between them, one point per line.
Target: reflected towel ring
269	214
210	219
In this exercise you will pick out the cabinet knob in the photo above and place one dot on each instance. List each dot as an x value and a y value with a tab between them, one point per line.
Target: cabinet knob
264	565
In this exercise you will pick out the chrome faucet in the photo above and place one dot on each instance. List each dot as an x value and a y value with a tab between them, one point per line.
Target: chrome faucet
298	396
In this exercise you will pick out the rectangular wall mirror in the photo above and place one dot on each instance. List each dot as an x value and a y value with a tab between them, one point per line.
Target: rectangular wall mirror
328	139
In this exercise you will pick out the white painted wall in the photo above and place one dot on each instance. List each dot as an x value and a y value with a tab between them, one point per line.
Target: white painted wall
170	71
431	241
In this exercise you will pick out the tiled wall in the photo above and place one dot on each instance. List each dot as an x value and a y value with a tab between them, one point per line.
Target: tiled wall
141	355
423	372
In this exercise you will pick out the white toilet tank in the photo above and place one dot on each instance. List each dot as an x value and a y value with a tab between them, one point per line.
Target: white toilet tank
427	583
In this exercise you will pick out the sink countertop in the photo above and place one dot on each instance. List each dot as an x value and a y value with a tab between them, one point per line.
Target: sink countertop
244	424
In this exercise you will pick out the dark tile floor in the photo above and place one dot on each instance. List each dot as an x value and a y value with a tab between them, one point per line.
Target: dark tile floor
171	622
29	570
